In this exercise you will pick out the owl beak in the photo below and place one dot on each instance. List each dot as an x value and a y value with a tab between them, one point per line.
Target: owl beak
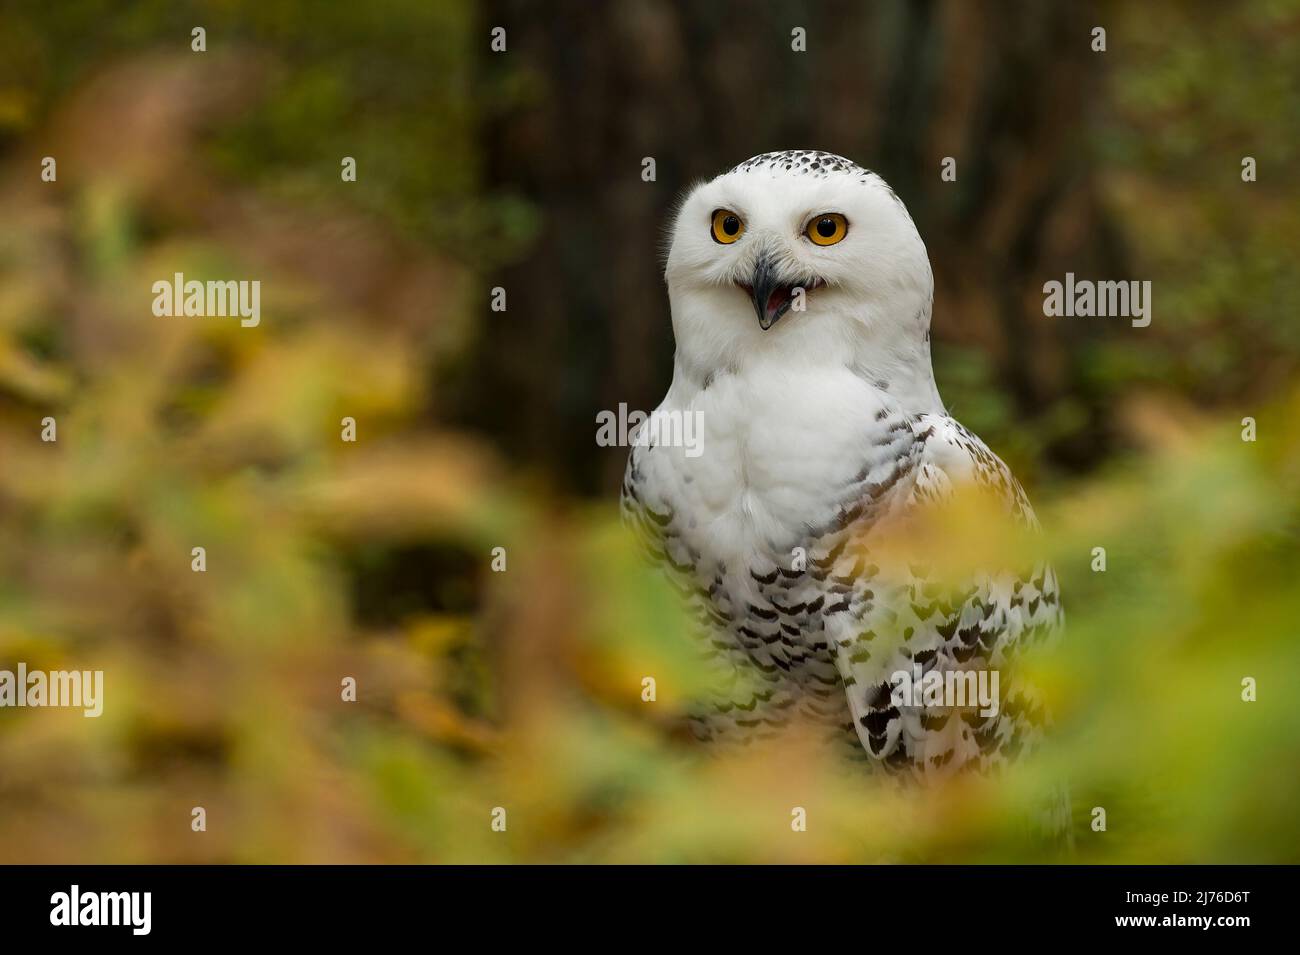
772	297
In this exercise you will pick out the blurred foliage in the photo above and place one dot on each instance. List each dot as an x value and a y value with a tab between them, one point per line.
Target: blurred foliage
1190	100
523	689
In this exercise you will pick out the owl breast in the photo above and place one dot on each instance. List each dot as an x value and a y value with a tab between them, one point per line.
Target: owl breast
779	452
763	524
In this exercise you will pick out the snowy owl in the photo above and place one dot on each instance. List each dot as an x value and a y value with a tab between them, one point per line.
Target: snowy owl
801	295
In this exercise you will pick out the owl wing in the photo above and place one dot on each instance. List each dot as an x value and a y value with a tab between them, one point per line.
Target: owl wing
905	619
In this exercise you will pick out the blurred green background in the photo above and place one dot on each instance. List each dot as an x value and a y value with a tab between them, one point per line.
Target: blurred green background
476	428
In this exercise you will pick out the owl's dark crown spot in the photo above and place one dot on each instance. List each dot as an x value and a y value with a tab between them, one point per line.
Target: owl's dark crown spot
803	162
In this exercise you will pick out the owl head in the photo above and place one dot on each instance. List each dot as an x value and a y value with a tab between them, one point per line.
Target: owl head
799	254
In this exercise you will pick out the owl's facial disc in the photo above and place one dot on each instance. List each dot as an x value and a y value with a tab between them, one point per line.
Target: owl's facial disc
773	294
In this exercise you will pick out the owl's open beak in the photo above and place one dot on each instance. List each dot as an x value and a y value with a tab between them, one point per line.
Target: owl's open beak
772	296
771	299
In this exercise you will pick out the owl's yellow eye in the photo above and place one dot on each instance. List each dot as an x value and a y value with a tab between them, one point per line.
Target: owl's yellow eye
727	227
827	228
